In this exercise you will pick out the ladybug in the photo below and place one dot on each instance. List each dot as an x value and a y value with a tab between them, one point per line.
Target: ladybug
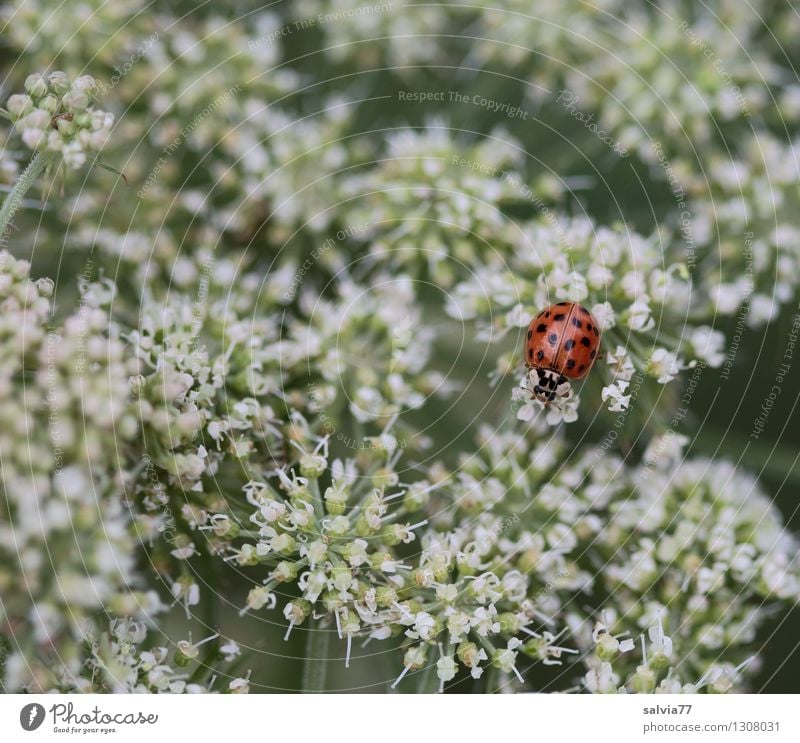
563	342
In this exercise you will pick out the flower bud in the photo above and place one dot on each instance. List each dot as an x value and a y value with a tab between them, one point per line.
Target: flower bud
36	85
75	101
332	601
49	103
338	526
284	543
607	647
284	571
19	105
644	680
386	596
58	82
414	657
469	654
313	465
186	653
417	496
446	668
509	623
335	500
342	577
297	610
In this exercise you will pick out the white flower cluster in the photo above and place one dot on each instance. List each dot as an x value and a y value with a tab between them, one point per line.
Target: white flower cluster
433	205
55	116
337	530
281	284
690	552
746	209
63	396
376	32
622	278
118	663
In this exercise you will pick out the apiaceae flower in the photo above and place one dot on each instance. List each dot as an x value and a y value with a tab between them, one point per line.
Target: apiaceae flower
55	116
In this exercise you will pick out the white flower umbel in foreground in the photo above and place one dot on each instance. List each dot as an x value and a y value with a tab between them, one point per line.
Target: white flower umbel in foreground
692	556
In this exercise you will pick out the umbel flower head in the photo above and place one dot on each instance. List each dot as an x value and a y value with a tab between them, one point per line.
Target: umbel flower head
55	116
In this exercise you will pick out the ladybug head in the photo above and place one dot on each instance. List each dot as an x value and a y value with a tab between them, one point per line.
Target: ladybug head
546	385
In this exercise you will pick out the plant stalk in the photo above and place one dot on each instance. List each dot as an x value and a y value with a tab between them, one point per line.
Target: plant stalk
315	665
14	199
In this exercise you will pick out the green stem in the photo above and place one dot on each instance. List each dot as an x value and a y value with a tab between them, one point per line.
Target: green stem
316	497
17	194
427	680
315	665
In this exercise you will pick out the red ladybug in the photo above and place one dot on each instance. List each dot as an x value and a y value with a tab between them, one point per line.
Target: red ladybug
563	341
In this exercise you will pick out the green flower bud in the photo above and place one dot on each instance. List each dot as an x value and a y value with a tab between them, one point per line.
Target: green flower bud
335	500
644	680
284	571
417	496
660	662
607	647
58	82
339	526
389	535
297	610
377	559
385	478
509	623
342	577
284	543
362	528
66	127
36	85
49	103
386	596
468	653
185	653
19	105
332	601
75	100
415	656
313	465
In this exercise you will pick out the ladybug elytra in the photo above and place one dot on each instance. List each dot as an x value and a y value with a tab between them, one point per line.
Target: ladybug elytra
563	342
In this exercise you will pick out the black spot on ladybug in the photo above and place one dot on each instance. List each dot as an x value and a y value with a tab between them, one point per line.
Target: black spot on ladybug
592	354
530	334
585	341
596	331
559	317
547	314
570	363
540	355
552	338
581	369
569	344
530	353
576	322
562	304
589	326
541	328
